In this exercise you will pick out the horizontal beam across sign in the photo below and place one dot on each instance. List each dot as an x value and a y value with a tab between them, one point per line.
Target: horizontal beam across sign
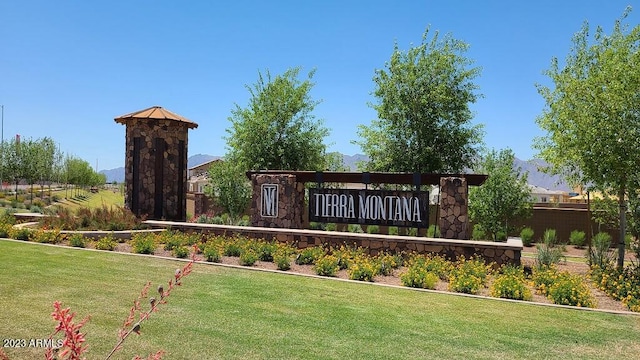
370	207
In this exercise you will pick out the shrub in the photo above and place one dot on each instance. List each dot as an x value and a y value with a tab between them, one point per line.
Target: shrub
248	257
387	263
501	236
511	284
45	236
577	238
526	235
570	290
468	276
478	233
543	278
282	260
419	277
20	233
212	253
373	229
547	255
106	243
362	269
35	209
143	243
308	256
600	254
181	252
326	266
549	237
433	231
346	255
266	250
232	247
5	229
436	264
171	242
77	240
331	227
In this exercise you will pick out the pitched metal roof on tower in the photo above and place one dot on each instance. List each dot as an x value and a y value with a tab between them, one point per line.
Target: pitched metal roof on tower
155	113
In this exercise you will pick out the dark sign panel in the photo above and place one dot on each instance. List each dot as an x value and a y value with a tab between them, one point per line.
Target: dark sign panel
370	207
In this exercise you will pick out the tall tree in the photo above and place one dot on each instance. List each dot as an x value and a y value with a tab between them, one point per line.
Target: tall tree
592	117
423	99
503	198
277	130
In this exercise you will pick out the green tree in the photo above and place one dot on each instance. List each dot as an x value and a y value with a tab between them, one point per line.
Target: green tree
423	99
229	188
277	130
504	197
591	117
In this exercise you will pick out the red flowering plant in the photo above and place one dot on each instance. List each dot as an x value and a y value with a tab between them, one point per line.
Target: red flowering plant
73	345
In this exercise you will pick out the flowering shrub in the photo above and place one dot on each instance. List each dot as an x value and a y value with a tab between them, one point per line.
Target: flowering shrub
569	289
309	256
468	276
248	257
363	268
346	255
143	243
20	233
106	243
45	236
181	252
212	252
511	284
419	277
326	266
623	285
387	263
543	278
282	260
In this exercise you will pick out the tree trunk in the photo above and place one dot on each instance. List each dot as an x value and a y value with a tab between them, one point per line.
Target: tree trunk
623	225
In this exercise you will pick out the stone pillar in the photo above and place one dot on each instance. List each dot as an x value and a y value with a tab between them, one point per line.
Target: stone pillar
156	163
277	201
454	208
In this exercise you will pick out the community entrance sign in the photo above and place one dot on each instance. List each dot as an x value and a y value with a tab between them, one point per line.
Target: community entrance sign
281	200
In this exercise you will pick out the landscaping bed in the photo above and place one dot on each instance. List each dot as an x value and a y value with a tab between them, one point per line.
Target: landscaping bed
574	262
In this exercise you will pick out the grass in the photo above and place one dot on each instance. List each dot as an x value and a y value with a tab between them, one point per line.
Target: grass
103	197
241	314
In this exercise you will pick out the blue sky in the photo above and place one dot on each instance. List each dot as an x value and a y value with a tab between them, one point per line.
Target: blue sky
68	68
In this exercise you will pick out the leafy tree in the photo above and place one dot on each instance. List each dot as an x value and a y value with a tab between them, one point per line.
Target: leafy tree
229	188
591	115
277	130
423	99
503	198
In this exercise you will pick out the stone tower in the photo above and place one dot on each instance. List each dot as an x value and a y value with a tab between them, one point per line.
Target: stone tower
156	163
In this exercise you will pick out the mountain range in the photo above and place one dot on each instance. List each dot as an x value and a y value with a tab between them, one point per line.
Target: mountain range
533	167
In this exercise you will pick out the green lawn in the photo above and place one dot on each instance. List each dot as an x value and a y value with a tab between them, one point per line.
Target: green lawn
106	198
223	313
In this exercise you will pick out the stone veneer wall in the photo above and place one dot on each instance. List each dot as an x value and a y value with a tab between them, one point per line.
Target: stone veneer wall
500	253
290	202
173	202
454	208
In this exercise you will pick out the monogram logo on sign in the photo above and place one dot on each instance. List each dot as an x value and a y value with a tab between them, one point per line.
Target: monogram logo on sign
269	200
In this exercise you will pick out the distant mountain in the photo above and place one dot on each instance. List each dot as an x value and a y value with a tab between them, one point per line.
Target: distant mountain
197	159
534	167
539	178
116	174
351	161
